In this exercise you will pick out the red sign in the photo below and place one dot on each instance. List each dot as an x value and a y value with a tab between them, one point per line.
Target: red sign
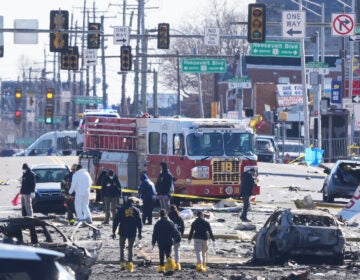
355	88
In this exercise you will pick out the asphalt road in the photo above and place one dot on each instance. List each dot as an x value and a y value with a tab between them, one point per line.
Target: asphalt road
281	184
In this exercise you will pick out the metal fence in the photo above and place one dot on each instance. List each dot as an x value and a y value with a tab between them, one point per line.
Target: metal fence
335	148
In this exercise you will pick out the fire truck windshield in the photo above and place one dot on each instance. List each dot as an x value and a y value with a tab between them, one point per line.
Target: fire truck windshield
218	144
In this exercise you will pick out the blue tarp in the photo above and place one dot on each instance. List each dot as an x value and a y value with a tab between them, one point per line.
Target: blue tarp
313	156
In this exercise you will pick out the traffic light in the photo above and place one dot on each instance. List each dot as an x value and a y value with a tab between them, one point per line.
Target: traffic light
163	36
18	95
70	59
256	23
125	58
49	96
17	117
93	40
59	21
49	114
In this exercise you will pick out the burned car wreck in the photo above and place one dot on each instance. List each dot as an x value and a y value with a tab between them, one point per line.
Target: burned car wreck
37	232
301	234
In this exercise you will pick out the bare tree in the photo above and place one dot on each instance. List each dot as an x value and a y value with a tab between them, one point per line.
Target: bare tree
220	16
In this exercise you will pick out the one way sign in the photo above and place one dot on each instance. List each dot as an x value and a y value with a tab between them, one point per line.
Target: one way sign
356	99
293	24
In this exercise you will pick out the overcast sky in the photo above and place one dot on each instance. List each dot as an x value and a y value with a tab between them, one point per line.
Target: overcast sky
171	11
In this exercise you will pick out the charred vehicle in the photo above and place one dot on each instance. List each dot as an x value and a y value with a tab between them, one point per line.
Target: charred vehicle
300	234
25	262
342	180
37	232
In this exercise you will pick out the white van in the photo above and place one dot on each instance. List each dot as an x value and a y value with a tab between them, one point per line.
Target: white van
59	143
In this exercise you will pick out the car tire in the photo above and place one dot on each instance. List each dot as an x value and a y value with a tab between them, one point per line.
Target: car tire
338	259
328	198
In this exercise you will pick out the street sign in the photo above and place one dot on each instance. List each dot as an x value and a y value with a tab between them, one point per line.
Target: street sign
320	67
90	57
198	65
244	82
336	95
88	100
121	35
275	49
355	99
212	36
293	24
342	24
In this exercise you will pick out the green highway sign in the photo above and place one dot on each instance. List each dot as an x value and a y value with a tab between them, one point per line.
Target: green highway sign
316	64
23	141
275	49
199	65
243	82
88	100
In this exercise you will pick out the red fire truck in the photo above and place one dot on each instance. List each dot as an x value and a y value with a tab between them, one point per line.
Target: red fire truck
206	156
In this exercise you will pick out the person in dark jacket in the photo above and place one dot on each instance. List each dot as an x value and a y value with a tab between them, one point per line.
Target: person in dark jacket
247	185
110	192
201	230
147	193
164	187
69	198
28	182
174	215
128	220
165	234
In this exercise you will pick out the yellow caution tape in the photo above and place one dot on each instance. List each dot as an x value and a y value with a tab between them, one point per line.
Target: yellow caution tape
174	195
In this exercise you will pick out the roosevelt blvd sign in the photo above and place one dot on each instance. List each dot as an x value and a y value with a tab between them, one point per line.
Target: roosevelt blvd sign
275	49
198	65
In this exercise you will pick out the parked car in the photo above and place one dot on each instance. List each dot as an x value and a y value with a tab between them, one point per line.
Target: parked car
48	196
25	262
300	234
265	150
342	180
290	150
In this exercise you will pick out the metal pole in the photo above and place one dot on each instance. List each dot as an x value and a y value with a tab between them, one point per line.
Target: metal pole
178	84
155	94
303	78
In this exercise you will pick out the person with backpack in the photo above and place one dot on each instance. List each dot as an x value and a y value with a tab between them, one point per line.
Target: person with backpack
164	187
147	193
128	220
110	192
201	231
165	234
174	215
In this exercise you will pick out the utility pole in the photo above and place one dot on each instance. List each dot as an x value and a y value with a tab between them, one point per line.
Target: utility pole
305	98
124	110
103	65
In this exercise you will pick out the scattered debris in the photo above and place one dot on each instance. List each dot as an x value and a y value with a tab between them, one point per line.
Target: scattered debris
38	232
297	275
306	203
